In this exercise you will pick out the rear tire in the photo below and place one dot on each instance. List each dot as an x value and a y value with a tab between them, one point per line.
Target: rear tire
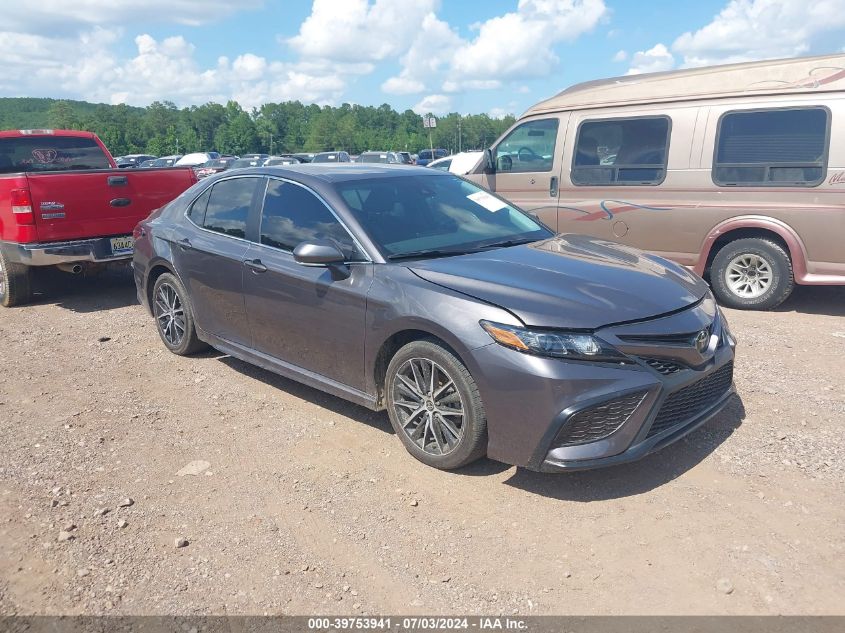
434	406
174	316
15	283
752	273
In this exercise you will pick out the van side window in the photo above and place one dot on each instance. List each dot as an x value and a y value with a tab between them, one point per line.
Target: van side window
772	147
621	152
529	147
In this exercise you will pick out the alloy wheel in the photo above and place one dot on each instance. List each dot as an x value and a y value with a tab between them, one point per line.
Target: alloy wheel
170	315
748	276
428	405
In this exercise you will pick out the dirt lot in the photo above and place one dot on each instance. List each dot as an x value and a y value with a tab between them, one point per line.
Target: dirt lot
310	505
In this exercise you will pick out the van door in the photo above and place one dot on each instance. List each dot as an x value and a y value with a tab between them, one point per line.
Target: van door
527	166
624	173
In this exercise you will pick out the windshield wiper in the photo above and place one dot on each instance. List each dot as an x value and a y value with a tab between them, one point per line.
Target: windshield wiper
506	243
430	252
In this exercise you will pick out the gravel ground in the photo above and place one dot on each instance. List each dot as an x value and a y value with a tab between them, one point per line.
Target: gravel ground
133	481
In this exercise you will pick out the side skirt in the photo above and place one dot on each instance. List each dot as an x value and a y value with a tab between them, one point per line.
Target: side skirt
293	372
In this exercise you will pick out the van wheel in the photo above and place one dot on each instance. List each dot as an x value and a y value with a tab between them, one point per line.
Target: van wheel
434	406
753	273
15	285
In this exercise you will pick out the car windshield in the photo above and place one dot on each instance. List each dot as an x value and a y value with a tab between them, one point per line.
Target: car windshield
50	153
326	158
436	215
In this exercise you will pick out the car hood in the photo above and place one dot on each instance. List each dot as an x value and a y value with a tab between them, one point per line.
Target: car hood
570	281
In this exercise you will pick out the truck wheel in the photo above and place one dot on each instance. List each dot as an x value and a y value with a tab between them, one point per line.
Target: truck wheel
15	288
753	273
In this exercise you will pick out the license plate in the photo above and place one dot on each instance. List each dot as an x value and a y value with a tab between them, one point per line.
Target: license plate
121	245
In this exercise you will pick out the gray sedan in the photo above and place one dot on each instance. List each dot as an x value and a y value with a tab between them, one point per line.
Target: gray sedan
412	290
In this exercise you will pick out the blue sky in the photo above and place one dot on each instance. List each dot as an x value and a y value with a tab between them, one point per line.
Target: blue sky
497	56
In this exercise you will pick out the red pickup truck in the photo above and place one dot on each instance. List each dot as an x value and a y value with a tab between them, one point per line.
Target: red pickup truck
64	203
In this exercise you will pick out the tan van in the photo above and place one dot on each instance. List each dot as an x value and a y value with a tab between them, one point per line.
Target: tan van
731	170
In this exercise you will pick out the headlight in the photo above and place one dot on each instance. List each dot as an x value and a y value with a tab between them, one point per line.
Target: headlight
554	343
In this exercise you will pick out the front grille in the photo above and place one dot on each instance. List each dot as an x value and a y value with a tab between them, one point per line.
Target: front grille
599	421
693	399
665	367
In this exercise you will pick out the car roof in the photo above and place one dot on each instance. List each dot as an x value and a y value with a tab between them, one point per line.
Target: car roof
334	173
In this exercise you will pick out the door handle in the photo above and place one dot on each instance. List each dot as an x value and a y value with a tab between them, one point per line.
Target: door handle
120	202
118	181
255	265
185	244
553	187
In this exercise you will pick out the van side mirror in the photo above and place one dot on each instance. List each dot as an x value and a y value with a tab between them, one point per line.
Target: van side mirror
489	162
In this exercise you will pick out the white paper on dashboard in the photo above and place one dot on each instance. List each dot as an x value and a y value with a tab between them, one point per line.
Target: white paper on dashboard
487	201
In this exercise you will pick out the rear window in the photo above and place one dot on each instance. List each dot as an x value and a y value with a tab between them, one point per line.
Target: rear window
50	153
228	206
772	147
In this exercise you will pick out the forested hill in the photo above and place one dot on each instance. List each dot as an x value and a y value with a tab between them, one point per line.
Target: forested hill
161	128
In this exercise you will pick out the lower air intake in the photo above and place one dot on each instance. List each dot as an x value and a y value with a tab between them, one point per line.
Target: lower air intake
599	421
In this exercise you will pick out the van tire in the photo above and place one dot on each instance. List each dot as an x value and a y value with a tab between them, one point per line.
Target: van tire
752	260
15	283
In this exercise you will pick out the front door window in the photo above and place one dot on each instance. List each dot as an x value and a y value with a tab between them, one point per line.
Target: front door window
529	147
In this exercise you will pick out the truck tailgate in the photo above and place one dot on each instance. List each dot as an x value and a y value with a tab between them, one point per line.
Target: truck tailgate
80	204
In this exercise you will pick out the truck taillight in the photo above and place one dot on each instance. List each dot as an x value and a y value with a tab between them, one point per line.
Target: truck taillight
22	206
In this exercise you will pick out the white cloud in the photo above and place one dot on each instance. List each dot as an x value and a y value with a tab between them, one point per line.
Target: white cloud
435	104
508	47
429	54
60	17
499	113
620	56
84	67
520	44
655	59
355	30
760	29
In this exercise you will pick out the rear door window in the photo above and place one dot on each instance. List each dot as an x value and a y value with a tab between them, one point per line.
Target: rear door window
621	151
228	206
50	153
786	147
529	147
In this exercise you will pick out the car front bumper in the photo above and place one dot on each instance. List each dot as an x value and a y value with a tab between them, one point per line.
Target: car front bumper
554	415
98	250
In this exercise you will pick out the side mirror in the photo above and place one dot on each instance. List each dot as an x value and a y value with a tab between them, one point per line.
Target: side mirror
318	253
489	162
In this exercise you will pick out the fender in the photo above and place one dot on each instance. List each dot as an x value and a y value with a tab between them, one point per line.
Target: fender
797	252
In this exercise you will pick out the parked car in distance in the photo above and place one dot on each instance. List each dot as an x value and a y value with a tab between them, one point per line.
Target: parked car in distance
246	162
147	164
331	157
64	203
416	291
379	157
258	157
133	160
425	156
305	157
732	171
166	161
196	159
406	158
461	163
214	166
281	160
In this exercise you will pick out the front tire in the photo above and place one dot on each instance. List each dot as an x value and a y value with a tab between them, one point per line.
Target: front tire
752	273
434	406
15	283
174	316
